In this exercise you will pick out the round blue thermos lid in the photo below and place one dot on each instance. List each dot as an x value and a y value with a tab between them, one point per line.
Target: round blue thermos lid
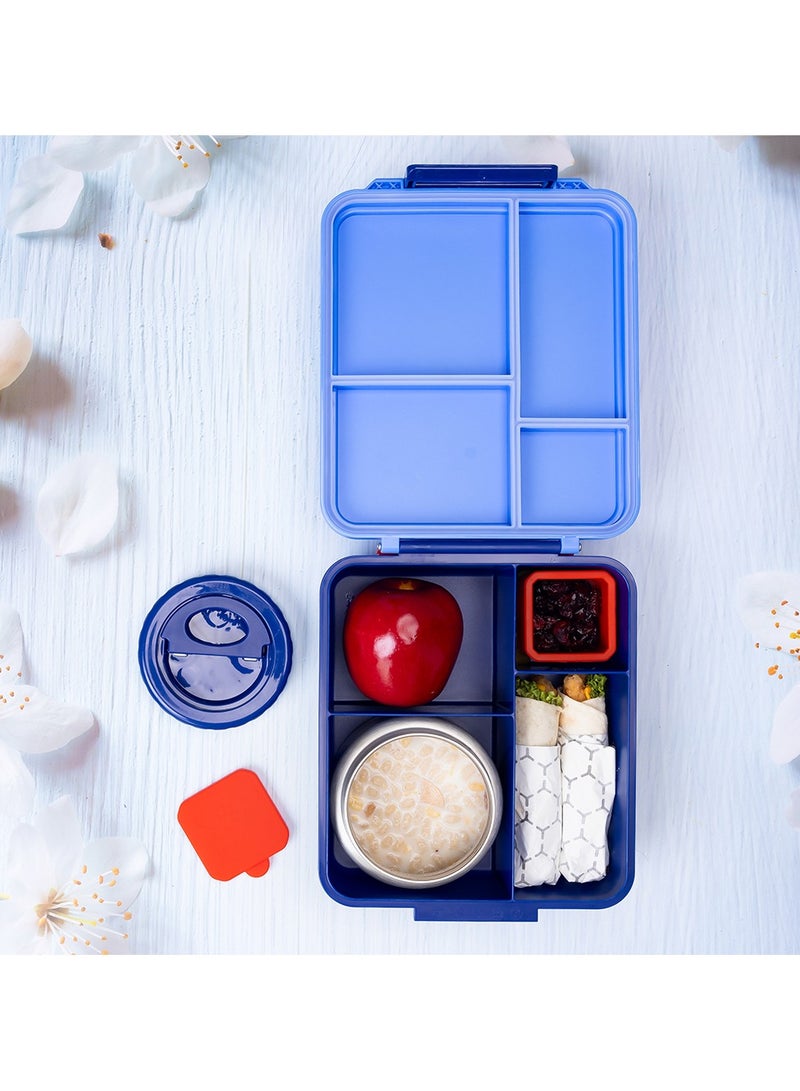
215	652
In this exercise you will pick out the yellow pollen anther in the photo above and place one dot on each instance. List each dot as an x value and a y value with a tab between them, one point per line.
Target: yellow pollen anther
84	869
772	670
773	612
75	901
104	952
77	882
126	916
119	904
27	699
115	871
88	942
63	939
100	878
780	676
784	602
777	625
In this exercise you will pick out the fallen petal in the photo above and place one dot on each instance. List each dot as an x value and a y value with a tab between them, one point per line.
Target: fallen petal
16	784
730	143
16	347
166	186
538	149
784	745
34	723
10	643
43	196
78	504
90	152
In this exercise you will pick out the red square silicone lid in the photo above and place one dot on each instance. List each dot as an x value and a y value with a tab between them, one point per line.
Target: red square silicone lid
234	826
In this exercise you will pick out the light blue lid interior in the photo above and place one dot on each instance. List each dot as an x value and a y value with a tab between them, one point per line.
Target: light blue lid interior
480	364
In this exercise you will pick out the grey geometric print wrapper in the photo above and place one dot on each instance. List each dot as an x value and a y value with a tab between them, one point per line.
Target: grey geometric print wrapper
588	786
537	831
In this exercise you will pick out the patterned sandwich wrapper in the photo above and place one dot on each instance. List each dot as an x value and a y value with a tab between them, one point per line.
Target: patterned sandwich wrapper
537	831
588	787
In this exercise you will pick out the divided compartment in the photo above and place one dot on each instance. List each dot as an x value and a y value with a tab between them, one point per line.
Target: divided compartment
572	340
482	678
621	660
620	708
420	287
488	884
577	475
435	456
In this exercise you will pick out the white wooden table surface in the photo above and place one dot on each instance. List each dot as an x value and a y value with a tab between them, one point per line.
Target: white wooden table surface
190	352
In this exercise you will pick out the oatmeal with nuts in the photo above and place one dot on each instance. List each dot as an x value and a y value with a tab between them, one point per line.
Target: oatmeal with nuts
418	806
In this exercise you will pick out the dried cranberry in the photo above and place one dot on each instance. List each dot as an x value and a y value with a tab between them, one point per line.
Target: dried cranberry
566	615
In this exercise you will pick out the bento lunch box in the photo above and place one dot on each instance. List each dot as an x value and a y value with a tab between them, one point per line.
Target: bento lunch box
479	419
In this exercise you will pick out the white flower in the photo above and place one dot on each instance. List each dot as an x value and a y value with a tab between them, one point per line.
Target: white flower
30	722
61	895
16	347
166	171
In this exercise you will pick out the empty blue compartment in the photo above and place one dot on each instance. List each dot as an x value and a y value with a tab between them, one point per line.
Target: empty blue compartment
479	418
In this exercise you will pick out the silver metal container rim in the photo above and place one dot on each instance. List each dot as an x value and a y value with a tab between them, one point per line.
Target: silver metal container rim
382	732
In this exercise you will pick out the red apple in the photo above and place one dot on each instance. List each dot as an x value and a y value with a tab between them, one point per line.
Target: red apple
401	640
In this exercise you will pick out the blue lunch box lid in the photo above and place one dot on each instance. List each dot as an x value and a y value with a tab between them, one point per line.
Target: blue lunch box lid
480	358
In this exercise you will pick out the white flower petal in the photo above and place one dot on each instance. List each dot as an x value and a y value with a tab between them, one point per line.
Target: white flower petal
31	874
16	347
784	744
793	811
16	784
761	593
537	149
34	723
43	196
164	185
730	143
78	504
90	152
59	826
10	643
19	932
123	854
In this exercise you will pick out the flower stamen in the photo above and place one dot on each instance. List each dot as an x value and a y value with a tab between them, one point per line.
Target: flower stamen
177	144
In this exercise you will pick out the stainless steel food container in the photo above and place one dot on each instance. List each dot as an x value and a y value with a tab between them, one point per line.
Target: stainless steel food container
359	751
